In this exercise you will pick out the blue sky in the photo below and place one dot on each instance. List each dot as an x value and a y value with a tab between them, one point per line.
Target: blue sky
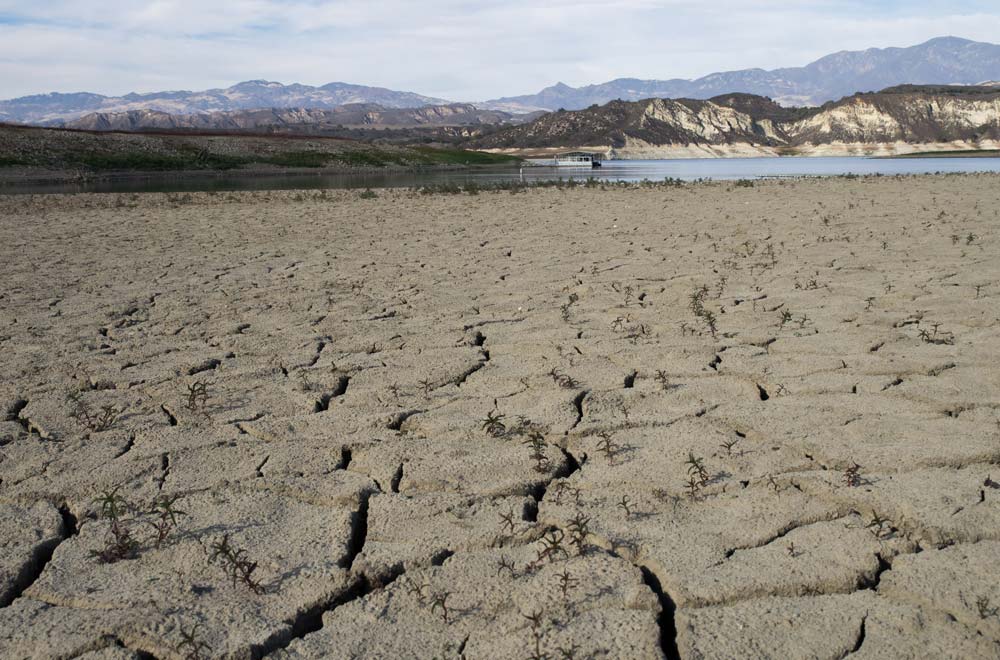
446	48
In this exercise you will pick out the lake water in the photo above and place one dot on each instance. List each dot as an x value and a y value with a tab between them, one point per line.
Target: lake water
615	170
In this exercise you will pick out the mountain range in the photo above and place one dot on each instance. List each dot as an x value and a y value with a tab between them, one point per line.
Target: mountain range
945	60
899	119
55	108
299	121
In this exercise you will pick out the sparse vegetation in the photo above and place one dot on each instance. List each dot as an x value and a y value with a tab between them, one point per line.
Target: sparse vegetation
94	420
192	647
120	542
536	444
164	517
235	564
493	424
852	475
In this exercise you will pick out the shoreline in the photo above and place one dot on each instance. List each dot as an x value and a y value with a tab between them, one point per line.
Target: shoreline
14	176
636	149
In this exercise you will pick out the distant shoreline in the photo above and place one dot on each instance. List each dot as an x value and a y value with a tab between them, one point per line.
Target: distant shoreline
964	153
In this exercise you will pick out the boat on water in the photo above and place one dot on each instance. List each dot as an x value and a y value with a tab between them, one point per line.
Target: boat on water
572	159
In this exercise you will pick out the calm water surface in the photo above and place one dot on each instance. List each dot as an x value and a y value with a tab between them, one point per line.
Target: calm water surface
616	170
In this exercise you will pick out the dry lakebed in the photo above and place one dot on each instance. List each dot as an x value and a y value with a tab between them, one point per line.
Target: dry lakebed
714	420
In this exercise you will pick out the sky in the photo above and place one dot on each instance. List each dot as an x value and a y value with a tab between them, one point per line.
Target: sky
460	51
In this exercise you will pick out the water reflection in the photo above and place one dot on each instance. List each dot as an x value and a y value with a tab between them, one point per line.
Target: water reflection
616	170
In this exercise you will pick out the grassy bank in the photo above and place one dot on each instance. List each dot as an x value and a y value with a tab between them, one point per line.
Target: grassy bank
101	153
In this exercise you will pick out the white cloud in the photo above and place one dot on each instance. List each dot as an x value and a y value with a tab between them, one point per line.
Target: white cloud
448	48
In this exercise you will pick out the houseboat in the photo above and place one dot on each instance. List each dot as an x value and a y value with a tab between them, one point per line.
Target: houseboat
570	159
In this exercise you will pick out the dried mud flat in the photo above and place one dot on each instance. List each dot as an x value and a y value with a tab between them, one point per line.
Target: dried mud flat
500	426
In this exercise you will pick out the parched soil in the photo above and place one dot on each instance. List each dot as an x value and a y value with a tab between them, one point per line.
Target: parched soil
708	421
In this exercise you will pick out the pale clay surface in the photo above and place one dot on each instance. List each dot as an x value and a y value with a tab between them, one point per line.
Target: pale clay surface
352	349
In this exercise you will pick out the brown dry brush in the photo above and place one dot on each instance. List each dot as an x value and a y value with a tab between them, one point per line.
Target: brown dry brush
197	396
852	475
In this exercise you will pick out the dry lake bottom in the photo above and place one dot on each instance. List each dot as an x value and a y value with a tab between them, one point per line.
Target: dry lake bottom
501	426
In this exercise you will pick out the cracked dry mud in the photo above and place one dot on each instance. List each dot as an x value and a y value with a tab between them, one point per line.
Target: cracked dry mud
818	479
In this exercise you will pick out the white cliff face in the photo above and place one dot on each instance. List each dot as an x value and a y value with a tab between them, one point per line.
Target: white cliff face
710	122
861	120
914	119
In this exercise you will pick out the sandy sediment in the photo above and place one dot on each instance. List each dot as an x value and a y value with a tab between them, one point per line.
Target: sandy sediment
705	421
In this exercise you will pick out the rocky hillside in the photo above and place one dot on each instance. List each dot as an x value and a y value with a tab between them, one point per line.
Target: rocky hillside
60	108
942	60
292	120
741	124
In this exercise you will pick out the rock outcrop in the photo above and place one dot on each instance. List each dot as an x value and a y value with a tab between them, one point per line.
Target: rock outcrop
743	124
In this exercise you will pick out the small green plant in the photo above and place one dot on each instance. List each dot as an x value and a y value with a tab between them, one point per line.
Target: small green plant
368	194
96	421
505	564
562	380
693	486
625	504
696	469
937	337
791	550
493	424
552	546
566	582
728	445
607	446
663	378
426	385
697	304
536	444
416	590
785	317
120	542
985	609
508	520
192	646
235	564
563	488
579	530
879	526
164	517
440	601
535	620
